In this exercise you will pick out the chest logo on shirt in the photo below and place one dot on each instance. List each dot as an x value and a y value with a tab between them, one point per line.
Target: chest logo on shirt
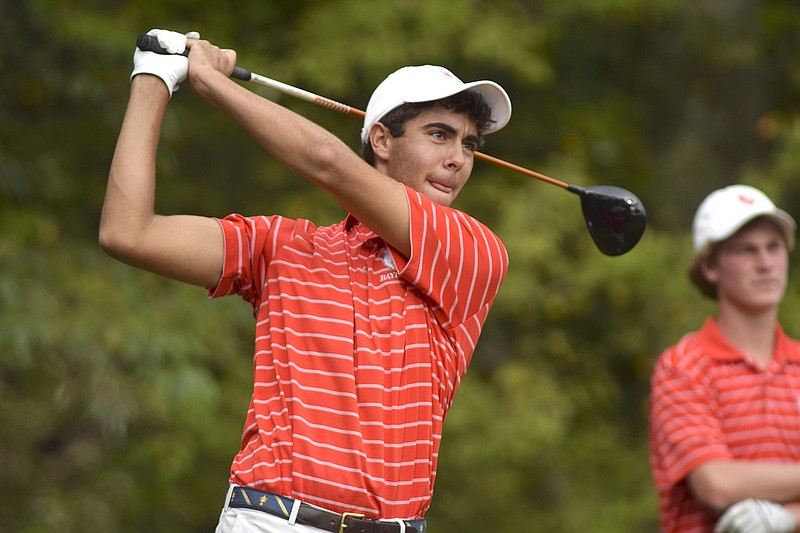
388	260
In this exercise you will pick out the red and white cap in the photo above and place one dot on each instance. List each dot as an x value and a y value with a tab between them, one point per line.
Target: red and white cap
725	211
425	83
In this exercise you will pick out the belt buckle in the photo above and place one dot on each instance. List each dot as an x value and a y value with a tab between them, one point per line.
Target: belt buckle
345	516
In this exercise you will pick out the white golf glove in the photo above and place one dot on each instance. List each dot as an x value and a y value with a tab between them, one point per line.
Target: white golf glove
173	67
756	516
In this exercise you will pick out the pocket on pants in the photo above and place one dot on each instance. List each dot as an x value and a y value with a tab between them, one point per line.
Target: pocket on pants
234	521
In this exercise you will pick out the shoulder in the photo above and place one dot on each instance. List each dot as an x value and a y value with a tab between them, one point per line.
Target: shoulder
269	224
688	355
431	216
788	345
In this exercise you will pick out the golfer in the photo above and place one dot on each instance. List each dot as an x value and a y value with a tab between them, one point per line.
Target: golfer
364	328
725	400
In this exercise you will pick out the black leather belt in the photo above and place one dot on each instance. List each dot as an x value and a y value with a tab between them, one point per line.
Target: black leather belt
308	515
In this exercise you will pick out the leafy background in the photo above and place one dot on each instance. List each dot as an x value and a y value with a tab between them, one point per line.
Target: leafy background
122	395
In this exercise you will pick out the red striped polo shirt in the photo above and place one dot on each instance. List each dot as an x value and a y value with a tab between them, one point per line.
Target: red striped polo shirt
710	402
358	352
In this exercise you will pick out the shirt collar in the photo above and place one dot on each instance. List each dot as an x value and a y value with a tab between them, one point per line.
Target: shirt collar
720	348
350	222
353	226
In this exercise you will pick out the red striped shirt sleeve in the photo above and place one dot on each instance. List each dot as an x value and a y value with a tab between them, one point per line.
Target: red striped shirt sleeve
455	260
684	424
249	245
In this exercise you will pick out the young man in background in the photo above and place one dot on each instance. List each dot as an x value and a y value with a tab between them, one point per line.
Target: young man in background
725	400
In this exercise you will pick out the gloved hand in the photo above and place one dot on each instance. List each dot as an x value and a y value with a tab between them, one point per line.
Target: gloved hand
173	69
756	516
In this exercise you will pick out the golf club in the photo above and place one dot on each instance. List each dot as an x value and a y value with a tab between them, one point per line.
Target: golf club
615	217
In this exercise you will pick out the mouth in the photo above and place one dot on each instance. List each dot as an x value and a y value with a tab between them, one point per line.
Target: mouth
766	283
441	187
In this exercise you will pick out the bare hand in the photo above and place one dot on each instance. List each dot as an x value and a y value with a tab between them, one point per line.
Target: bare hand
208	62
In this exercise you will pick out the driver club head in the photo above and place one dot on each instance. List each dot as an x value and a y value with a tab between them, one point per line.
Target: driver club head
615	217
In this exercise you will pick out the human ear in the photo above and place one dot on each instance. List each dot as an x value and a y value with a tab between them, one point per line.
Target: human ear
708	269
381	139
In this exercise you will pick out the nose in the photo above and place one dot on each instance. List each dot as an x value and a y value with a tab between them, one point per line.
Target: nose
456	158
766	259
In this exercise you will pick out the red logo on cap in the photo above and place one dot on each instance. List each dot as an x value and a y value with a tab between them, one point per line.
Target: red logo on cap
746	199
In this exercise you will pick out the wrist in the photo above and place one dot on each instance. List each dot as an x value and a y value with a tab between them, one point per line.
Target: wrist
150	84
209	83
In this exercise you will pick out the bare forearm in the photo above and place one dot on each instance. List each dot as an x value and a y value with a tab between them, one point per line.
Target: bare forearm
300	144
718	484
130	195
311	151
183	247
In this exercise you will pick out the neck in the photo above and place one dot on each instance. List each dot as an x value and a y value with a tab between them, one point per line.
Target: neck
752	333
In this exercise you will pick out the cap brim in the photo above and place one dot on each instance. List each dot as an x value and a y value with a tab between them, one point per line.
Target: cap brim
786	221
783	219
494	95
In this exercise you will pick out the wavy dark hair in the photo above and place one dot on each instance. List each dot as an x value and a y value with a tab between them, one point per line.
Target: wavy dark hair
469	103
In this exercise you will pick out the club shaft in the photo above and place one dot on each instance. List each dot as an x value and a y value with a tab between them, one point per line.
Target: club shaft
521	170
146	42
344	108
305	95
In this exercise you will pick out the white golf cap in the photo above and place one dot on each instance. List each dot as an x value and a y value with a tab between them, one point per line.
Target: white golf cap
426	83
725	211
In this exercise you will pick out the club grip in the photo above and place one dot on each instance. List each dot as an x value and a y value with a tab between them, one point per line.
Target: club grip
241	74
149	43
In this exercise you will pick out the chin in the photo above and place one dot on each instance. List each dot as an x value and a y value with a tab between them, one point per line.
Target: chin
764	305
440	197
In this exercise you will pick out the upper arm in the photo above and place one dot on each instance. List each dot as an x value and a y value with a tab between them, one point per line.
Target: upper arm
374	198
186	248
378	201
183	247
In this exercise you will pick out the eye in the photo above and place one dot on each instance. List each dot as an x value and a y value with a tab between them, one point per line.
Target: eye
741	249
471	146
438	134
775	245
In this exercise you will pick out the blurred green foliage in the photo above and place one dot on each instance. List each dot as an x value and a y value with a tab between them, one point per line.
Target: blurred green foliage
122	395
